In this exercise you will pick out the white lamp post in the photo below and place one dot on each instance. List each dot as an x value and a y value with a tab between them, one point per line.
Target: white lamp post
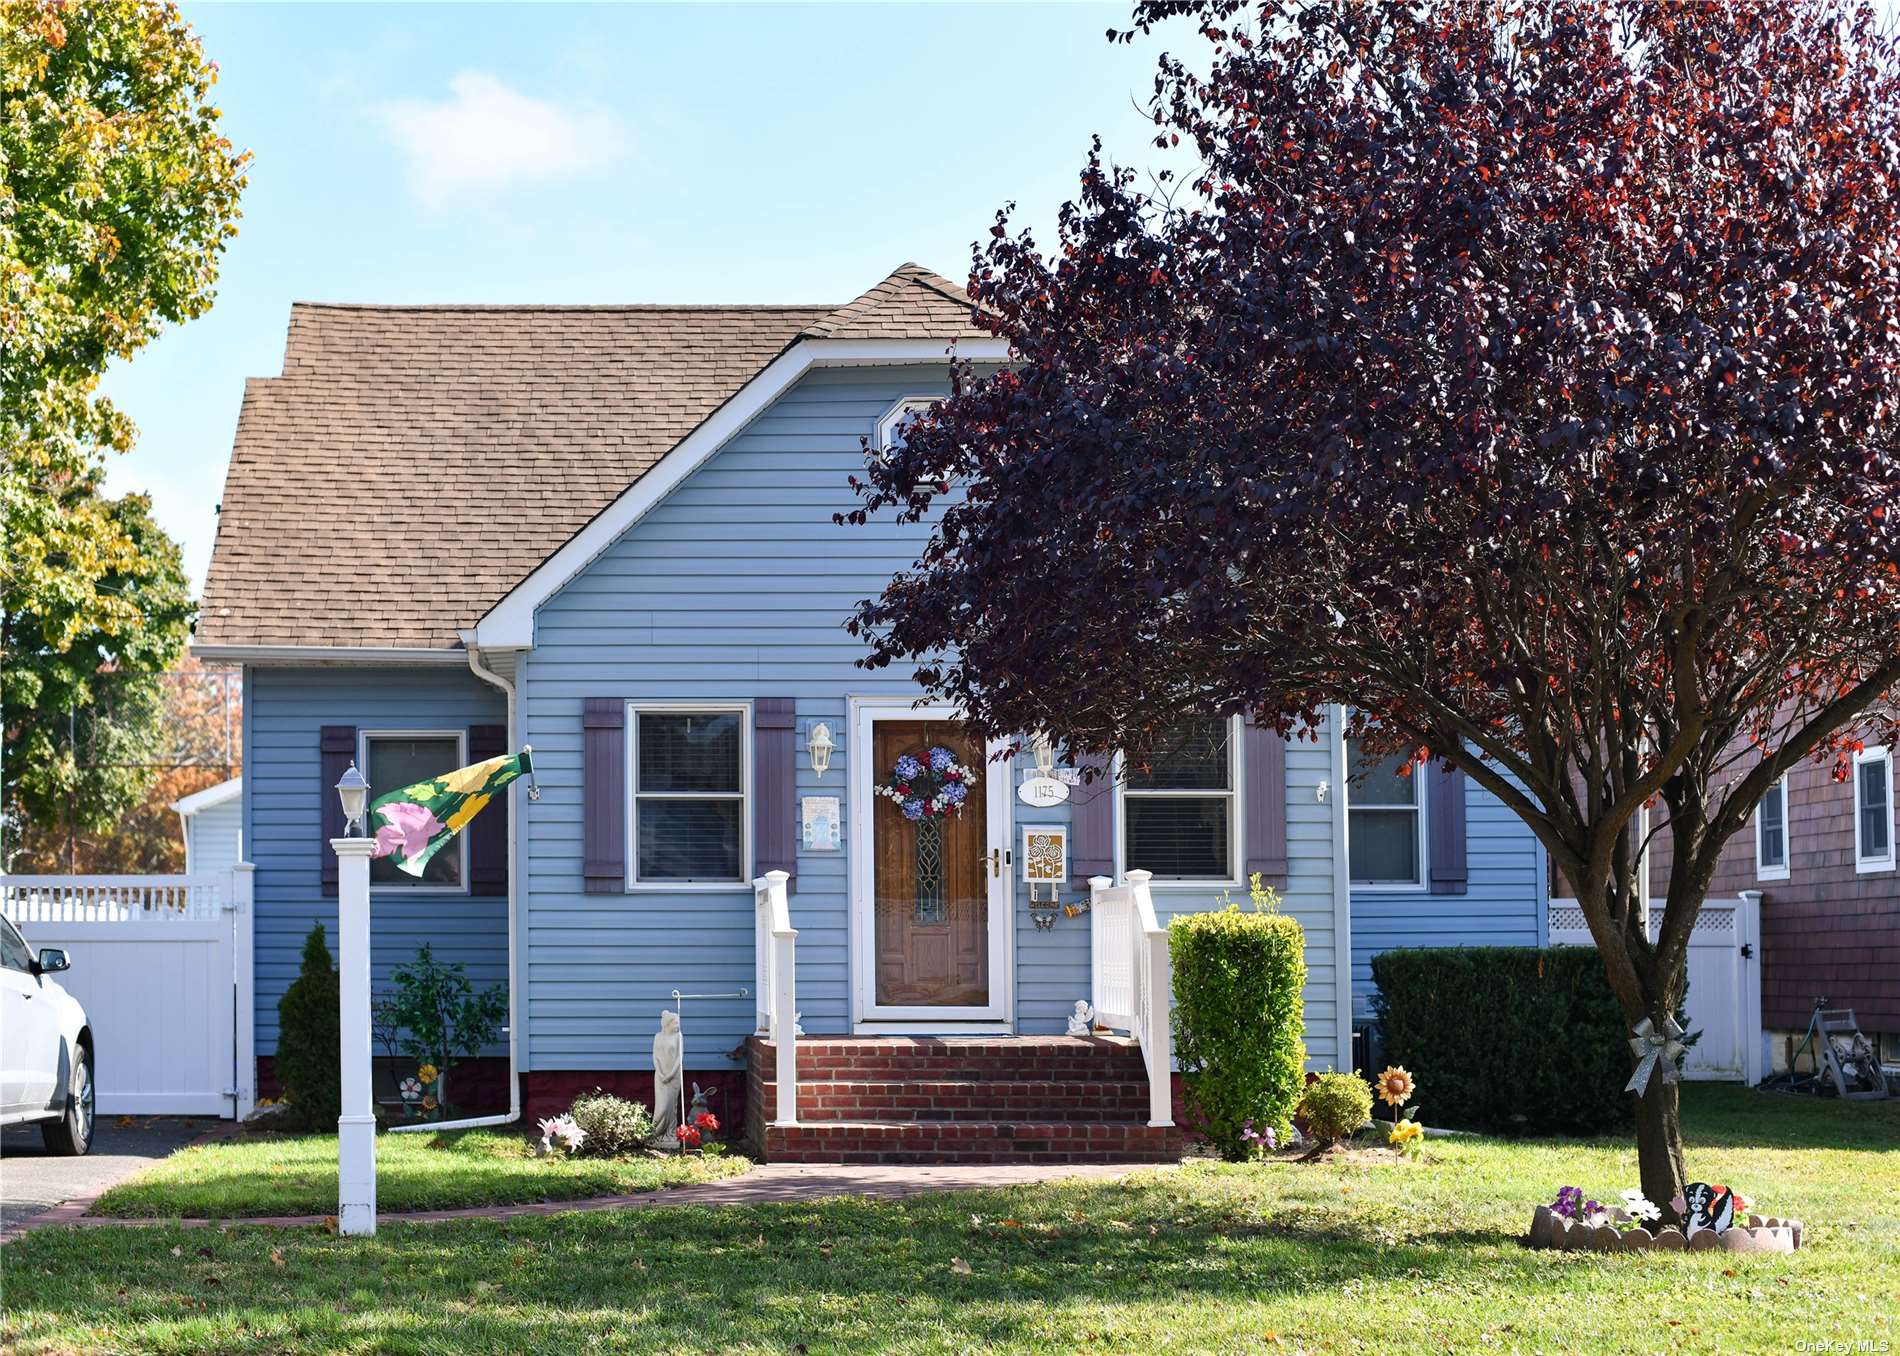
356	1127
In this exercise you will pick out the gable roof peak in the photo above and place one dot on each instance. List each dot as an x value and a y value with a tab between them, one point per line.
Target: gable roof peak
910	303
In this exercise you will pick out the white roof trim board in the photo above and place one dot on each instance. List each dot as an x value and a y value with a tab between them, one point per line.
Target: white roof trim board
210	796
510	622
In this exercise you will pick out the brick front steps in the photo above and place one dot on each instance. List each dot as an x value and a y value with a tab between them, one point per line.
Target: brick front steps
959	1099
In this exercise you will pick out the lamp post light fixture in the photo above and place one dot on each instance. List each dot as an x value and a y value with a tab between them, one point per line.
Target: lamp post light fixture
353	791
818	743
1045	753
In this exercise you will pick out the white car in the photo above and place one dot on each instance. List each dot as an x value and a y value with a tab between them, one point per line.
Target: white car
45	1047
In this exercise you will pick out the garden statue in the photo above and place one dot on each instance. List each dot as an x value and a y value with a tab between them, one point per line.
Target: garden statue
700	1104
1083	1021
668	1066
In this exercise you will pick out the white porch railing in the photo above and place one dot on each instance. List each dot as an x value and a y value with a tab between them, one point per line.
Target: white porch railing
775	953
1131	979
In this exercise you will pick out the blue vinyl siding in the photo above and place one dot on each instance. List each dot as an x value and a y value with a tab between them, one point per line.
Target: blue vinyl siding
734	588
1502	904
283	796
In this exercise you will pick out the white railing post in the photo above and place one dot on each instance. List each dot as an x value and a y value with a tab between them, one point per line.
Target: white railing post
243	983
778	988
1098	944
356	1127
1153	997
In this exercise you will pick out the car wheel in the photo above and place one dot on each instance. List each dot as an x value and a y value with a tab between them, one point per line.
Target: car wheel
72	1133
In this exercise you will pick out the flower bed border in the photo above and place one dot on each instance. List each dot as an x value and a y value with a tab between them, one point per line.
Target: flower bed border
1761	1234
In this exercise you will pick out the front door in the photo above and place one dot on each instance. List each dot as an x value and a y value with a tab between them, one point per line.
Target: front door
931	880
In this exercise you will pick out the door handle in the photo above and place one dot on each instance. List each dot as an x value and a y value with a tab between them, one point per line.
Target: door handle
996	861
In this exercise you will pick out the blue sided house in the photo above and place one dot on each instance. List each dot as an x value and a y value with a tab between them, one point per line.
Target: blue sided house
606	533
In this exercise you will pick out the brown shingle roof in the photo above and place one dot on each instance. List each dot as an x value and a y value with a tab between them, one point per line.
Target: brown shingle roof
913	303
449	450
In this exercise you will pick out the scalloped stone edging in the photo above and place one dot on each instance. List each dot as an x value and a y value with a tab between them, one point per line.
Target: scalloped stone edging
1760	1234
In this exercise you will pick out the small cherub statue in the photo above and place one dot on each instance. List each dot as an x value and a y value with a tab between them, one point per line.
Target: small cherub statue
668	1068
1083	1020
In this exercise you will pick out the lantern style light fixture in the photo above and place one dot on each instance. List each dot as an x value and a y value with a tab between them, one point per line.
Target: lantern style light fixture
353	791
818	744
1045	753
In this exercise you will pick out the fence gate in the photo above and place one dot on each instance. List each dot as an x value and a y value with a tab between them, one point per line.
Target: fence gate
162	965
1724	981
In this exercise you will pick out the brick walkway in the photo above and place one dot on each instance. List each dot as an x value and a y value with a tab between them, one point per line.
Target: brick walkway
768	1184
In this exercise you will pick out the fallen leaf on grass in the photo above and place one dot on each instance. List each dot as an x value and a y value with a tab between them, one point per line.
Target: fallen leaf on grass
961	1267
329	1223
178	1252
1728	1271
277	1258
205	1252
1012	1224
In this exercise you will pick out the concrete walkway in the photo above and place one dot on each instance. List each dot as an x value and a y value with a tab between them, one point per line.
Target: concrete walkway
768	1184
33	1181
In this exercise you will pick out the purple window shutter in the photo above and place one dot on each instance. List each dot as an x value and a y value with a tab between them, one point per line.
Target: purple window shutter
1264	802
774	786
488	831
336	750
1092	824
1445	834
603	795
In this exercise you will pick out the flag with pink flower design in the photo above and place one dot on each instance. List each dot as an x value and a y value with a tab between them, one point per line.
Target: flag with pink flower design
420	819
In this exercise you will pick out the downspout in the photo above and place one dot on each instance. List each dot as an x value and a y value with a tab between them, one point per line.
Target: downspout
478	665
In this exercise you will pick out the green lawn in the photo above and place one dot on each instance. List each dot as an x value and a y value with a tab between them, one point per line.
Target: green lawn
296	1175
1386	1258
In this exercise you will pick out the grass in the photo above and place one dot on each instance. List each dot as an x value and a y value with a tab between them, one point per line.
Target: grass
296	1175
1328	1258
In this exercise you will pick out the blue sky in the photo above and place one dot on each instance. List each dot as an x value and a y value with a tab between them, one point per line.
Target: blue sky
609	154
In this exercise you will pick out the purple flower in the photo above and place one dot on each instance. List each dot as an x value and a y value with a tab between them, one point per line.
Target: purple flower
1569	1200
953	793
942	760
913	808
908	769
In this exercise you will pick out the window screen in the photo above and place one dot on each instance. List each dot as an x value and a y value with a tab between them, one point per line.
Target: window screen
1178	803
1771	824
1874	807
689	796
1382	811
393	762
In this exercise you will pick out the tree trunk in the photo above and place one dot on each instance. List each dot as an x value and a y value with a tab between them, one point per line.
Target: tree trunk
1659	1143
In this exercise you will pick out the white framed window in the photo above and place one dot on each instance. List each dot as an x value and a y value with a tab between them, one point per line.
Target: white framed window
689	780
1873	810
1180	810
1771	833
393	759
890	425
1385	820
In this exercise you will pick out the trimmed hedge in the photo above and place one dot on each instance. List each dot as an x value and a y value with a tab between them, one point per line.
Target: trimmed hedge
1238	980
1512	1040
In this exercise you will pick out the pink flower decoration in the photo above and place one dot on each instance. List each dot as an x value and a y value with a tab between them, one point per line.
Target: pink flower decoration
408	827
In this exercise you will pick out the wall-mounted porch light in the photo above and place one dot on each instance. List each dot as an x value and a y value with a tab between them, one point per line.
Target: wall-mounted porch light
818	744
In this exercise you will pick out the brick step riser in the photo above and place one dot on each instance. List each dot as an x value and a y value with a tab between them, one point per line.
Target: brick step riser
1042	1143
909	1069
976	1101
925	1157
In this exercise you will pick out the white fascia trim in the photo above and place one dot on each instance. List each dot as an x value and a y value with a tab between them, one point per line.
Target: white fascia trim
509	624
210	796
326	654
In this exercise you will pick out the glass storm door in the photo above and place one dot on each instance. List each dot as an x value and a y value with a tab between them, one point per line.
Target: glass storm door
930	930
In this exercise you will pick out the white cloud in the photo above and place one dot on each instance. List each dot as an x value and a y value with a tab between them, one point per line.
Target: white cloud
486	136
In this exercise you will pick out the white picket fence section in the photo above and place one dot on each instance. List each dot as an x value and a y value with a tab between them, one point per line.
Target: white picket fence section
1131	979
1724	982
163	967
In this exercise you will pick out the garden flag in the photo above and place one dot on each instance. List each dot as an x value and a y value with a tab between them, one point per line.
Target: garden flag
418	820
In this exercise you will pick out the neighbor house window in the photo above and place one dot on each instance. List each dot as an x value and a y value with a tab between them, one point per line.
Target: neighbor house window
689	795
1385	819
1873	810
398	758
1178	808
1771	833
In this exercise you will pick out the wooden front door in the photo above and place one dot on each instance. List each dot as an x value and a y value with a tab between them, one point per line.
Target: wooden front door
930	915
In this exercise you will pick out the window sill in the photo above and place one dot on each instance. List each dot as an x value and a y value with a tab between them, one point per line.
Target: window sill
1772	875
695	887
1873	866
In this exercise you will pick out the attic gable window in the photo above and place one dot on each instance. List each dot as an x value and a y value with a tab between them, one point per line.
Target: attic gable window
890	429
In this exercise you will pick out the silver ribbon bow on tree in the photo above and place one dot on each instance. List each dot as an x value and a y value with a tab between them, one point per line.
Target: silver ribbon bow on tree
1652	1048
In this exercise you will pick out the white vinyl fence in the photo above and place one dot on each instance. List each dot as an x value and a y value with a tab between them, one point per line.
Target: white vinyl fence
1724	982
162	965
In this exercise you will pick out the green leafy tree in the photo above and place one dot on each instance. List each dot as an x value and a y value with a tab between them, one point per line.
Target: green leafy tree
310	1038
118	193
